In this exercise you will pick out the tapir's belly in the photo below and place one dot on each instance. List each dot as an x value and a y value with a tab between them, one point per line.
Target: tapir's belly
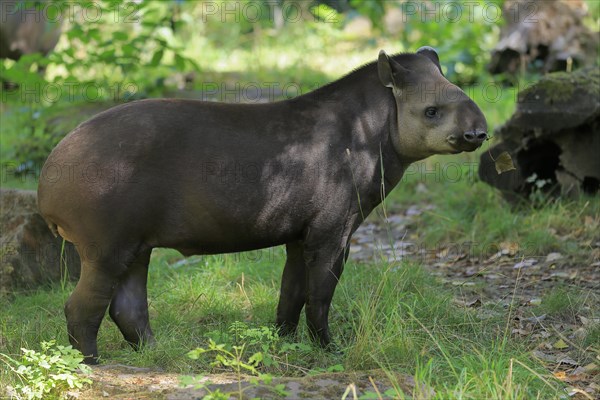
214	219
225	235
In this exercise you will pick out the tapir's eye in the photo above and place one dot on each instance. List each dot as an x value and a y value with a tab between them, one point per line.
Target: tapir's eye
431	112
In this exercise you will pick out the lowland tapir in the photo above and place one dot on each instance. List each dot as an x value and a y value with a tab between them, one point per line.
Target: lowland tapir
208	177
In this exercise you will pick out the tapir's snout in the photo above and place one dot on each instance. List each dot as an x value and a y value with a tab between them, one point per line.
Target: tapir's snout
476	136
467	141
475	128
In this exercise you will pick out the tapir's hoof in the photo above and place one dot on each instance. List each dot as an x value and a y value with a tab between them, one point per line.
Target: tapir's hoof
287	331
90	360
147	342
334	349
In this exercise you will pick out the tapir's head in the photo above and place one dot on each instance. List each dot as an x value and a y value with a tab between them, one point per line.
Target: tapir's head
434	116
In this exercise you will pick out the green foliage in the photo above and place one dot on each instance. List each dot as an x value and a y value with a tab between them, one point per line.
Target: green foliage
241	359
449	26
592	338
373	9
127	42
394	317
119	42
24	70
47	374
459	32
402	320
263	343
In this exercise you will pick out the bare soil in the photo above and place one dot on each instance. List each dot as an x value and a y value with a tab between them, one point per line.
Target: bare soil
125	382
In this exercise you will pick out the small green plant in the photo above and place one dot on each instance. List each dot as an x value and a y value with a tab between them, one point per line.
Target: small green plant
246	350
237	360
48	374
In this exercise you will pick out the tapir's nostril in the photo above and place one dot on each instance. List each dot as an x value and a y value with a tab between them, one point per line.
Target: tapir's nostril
475	136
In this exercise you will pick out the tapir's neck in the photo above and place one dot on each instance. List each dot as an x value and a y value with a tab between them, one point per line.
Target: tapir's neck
368	109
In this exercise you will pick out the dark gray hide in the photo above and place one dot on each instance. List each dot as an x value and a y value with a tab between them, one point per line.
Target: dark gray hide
207	178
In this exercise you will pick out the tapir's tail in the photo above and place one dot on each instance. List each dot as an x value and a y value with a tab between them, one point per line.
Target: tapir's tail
52	226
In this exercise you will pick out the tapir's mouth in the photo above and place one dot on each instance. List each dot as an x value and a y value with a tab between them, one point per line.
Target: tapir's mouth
459	144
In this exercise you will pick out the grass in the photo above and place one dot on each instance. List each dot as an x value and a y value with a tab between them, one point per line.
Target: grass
472	212
561	303
395	317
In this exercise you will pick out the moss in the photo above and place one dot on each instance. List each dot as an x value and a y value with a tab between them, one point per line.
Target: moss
560	86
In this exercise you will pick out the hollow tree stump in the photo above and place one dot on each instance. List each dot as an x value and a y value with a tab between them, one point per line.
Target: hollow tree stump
553	138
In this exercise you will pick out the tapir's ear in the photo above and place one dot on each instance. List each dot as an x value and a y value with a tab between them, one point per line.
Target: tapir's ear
391	73
430	53
384	69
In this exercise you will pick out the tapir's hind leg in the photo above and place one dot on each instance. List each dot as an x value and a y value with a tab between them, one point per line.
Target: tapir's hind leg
87	305
129	305
293	290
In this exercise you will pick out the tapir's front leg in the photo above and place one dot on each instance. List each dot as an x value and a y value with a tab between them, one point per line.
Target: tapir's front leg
325	254
324	271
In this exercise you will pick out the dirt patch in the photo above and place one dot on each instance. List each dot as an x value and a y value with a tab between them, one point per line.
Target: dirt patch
504	272
125	382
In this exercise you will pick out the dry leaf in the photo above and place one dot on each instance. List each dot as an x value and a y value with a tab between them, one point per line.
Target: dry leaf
535	318
566	360
544	356
504	163
525	263
444	253
562	275
561	375
590	222
560	345
553	257
591	367
474	303
589	321
510	248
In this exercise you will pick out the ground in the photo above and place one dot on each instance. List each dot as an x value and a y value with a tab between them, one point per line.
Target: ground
126	382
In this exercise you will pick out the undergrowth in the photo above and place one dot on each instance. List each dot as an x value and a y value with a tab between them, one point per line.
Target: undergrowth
394	317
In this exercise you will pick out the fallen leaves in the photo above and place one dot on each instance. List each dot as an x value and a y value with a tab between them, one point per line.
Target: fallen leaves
504	163
551	257
473	303
560	344
525	263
